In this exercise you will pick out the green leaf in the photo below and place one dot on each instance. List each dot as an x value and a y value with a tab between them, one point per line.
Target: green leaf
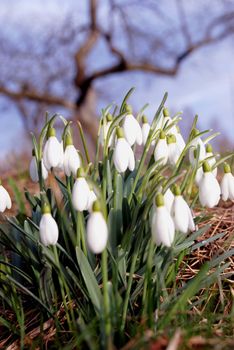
122	107
17	195
90	280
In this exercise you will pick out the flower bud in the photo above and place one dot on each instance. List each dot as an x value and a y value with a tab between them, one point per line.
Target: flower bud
123	156
5	199
162	226
97	231
48	228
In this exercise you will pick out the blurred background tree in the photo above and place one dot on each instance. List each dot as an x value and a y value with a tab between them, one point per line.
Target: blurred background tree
66	62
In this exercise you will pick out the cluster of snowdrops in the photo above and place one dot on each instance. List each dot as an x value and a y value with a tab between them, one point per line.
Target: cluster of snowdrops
170	211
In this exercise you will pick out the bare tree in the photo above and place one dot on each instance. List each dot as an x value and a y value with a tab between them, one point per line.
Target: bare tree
58	66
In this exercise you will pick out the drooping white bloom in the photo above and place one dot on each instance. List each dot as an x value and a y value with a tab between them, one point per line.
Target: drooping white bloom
80	192
162	225
53	151
33	170
161	149
173	149
104	130
209	189
168	199
97	231
211	161
181	213
196	144
48	228
71	161
227	184
123	156
5	199
132	129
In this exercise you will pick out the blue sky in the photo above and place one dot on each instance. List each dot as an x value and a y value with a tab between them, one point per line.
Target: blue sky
204	83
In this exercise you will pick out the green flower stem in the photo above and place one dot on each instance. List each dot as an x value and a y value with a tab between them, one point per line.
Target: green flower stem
147	278
84	142
80	232
41	181
106	296
73	214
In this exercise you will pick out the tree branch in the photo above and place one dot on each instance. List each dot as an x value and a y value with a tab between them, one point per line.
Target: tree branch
37	97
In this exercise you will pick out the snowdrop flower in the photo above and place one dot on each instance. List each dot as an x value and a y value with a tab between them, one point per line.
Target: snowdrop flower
168	199
104	130
167	121
71	161
227	184
196	144
181	213
162	225
161	149
123	156
5	199
173	150
33	169
97	231
209	190
53	151
48	228
131	128
211	161
80	192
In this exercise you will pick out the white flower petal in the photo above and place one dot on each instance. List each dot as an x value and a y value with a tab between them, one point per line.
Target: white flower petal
224	187
71	160
80	194
33	170
227	187
163	229
173	153
53	153
5	200
161	151
122	156
209	190
180	214
132	130
97	233
48	229
131	160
